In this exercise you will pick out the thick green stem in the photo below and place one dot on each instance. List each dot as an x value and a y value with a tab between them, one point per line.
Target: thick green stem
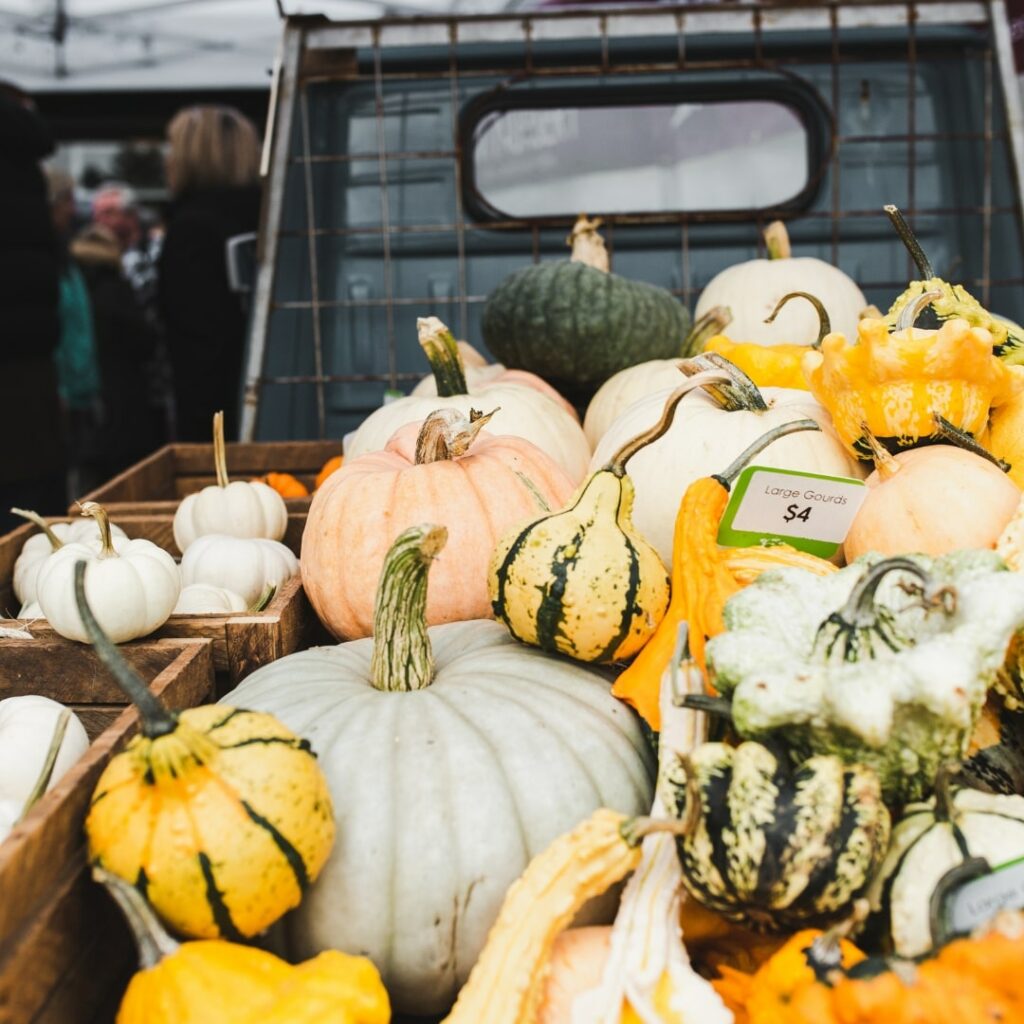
962	439
824	323
776	240
907	237
630	448
859	609
728	478
49	763
634	830
99	513
220	451
264	599
736	393
713	322
442	352
38	520
447	434
156	719
151	938
913	309
402	656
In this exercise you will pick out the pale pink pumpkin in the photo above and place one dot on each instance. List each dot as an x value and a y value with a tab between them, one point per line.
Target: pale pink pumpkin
443	471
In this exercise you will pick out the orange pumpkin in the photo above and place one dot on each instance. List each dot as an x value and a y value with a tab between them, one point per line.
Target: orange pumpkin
442	471
328	468
285	484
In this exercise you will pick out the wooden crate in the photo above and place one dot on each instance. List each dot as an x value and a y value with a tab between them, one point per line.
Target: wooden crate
65	954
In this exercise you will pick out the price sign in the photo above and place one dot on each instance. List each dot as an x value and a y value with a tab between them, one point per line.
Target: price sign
810	511
979	900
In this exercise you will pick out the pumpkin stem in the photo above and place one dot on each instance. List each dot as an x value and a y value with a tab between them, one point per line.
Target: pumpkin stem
909	240
824	323
587	245
156	719
402	656
635	830
728	478
885	462
49	763
913	309
447	434
220	451
737	393
825	954
721	707
38	520
151	938
964	440
776	240
99	513
442	352
713	322
264	599
630	448
944	792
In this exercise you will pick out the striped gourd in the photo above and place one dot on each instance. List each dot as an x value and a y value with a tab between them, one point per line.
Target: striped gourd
220	817
772	847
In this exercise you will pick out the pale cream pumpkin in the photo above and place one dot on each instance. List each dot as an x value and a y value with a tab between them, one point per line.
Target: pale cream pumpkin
244	565
442	471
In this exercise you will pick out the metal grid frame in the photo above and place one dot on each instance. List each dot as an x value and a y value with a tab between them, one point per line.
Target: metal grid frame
314	51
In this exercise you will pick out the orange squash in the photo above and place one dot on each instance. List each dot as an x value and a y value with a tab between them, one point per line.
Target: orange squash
327	469
285	484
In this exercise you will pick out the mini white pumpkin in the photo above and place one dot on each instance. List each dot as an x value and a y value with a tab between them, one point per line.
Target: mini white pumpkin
132	590
40	546
245	565
242	508
521	411
207	599
753	289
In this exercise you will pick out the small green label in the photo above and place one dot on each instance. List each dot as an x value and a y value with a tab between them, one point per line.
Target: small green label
809	511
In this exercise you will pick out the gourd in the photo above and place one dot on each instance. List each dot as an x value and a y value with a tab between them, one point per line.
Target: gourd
38	548
445	471
581	581
995	757
507	746
753	289
221	817
931	500
705	576
575	324
331	465
244	565
206	599
1004	437
886	662
285	484
238	509
133	589
958	832
894	385
212	980
622	389
519	411
709	430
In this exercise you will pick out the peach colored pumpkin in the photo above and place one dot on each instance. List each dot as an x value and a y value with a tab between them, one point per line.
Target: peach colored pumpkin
931	501
577	963
442	471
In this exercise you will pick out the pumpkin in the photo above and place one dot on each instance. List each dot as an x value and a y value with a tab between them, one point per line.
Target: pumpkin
1004	437
519	411
935	845
704	577
206	599
455	754
133	588
238	509
285	484
931	500
778	365
753	289
895	384
581	581
440	471
220	817
622	389
244	565
709	430
330	466
886	662
213	980
575	324
995	756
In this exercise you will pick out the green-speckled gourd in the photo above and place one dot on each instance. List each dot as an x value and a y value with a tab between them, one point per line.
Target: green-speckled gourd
575	324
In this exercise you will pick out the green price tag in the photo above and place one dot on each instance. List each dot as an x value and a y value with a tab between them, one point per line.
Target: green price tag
809	511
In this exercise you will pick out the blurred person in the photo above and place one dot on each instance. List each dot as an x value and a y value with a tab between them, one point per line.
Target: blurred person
115	207
32	459
213	175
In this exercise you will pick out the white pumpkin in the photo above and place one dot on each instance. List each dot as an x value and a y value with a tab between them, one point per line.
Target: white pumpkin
240	508
132	590
752	290
206	599
31	611
624	388
244	565
41	545
520	411
704	439
483	752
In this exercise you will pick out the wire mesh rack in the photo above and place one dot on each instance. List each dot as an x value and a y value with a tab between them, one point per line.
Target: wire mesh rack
373	215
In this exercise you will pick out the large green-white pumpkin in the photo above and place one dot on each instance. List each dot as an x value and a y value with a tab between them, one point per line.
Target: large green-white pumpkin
454	755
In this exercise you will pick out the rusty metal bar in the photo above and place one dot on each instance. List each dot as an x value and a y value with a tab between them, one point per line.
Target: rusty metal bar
385	210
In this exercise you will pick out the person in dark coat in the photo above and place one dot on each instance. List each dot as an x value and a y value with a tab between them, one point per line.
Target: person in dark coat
213	174
32	461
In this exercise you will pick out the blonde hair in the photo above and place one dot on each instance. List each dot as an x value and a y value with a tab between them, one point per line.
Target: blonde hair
211	146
